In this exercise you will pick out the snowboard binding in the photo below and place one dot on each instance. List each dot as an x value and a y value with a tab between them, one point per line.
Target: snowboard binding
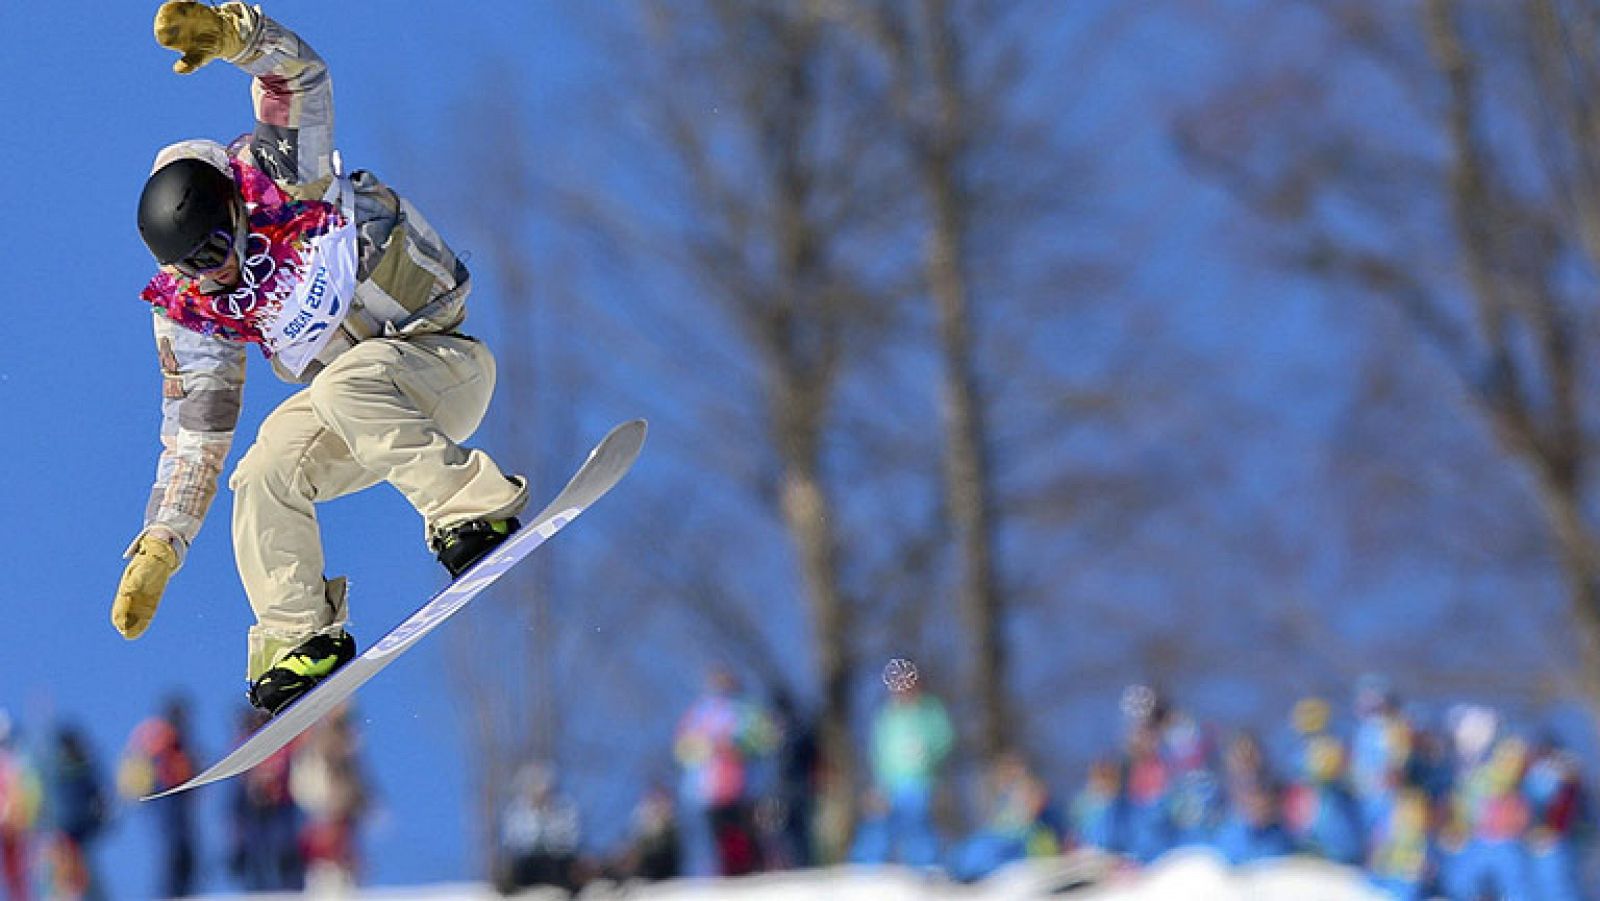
462	545
301	670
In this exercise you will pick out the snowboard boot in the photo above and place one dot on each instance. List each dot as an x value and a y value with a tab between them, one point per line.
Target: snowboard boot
464	544
301	670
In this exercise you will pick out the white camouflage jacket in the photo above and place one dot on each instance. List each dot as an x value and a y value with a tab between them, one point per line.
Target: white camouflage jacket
409	281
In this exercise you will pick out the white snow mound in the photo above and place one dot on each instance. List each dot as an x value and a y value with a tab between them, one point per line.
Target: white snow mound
1187	875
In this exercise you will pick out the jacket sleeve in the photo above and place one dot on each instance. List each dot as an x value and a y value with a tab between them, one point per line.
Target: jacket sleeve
293	97
202	383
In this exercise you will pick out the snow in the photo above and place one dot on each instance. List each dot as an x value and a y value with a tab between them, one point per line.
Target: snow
1181	876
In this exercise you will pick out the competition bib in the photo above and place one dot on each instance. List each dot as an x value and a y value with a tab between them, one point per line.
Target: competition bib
300	328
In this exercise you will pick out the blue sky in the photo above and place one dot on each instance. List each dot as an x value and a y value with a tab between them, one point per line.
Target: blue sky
90	98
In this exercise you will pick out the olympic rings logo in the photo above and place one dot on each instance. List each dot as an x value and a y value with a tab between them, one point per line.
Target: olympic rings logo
255	270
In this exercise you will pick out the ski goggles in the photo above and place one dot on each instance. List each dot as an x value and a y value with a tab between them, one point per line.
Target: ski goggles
211	255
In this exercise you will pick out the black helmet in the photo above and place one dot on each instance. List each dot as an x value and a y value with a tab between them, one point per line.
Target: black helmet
184	203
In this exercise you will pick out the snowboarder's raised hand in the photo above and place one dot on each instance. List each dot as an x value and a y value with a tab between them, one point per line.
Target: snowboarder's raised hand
139	593
200	32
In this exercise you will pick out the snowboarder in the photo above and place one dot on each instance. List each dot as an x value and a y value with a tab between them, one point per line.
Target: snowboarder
346	288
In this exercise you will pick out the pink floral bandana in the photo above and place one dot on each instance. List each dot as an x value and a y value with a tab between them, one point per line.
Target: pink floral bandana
281	230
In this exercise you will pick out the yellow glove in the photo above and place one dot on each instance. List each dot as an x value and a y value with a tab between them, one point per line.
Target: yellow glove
139	593
200	32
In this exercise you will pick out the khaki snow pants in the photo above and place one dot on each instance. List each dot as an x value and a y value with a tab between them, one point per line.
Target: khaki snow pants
387	410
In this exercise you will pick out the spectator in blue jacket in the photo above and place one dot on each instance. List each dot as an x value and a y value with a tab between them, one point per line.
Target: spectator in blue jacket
1147	776
1562	821
911	739
1096	815
1322	814
1021	822
1380	751
1195	804
1495	816
79	808
1253	829
1401	862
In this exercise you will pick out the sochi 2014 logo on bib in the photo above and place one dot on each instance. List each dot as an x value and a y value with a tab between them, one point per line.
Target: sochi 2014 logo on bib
319	300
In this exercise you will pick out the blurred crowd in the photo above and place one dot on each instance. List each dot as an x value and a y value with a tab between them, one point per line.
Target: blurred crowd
293	821
1464	808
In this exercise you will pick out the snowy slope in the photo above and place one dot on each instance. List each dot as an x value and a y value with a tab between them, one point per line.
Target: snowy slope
1182	876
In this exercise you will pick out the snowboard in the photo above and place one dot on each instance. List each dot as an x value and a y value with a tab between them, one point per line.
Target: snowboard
605	466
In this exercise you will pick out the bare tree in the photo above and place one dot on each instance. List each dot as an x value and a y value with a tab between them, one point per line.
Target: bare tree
988	170
752	111
934	109
502	657
508	656
1468	203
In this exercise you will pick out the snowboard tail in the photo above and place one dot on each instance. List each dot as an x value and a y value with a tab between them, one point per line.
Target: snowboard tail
605	466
